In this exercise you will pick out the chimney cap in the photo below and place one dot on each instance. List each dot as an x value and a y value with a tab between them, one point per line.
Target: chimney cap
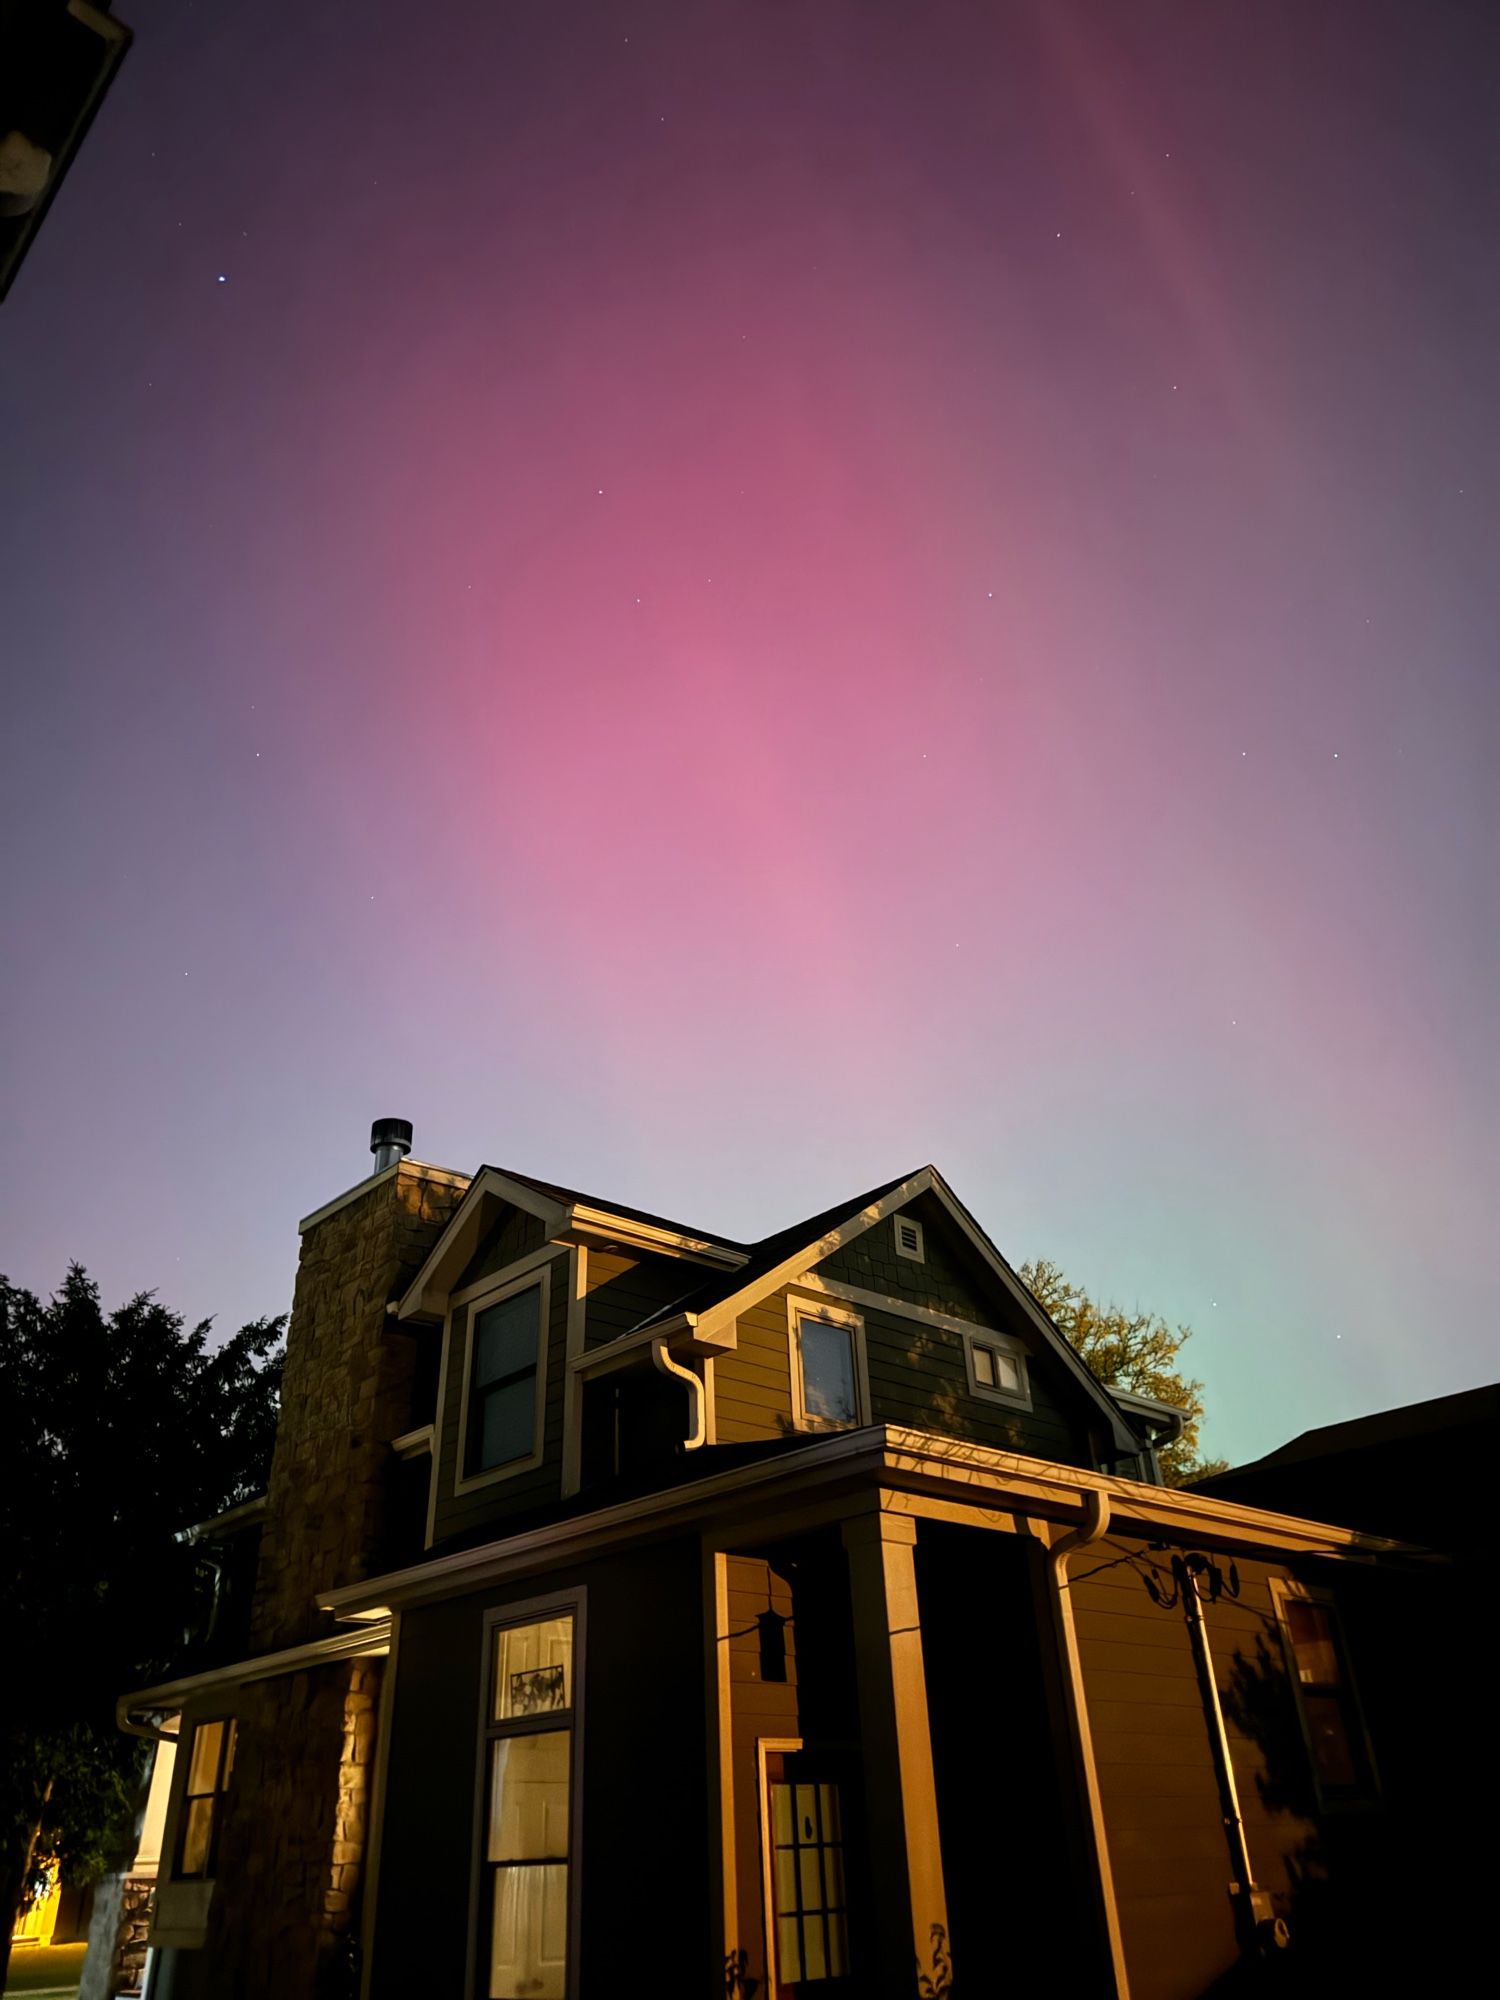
390	1140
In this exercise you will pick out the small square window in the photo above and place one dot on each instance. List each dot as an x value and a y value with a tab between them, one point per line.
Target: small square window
997	1370
909	1239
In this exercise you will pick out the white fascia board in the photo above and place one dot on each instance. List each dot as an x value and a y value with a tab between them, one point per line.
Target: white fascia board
713	1318
169	1697
882	1456
598	1224
427	1295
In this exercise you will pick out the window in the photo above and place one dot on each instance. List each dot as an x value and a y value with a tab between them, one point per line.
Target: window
802	1837
210	1762
829	1390
909	1239
528	1832
997	1369
503	1369
1343	1769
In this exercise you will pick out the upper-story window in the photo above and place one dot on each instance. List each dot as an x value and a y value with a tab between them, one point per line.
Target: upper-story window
829	1387
996	1367
504	1370
210	1764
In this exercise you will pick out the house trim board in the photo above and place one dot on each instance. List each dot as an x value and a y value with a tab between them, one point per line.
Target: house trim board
895	1457
169	1697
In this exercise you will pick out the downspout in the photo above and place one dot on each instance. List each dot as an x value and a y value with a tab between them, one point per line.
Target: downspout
1094	1524
698	1427
1259	1928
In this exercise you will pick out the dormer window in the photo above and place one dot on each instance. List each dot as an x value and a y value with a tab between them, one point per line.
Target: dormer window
996	1368
504	1369
909	1239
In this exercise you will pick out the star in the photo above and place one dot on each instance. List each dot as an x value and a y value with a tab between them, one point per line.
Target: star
222	279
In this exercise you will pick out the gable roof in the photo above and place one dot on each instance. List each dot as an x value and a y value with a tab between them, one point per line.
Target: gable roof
710	1308
767	1254
745	1272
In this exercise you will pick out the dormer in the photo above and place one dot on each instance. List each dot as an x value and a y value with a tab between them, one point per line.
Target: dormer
524	1280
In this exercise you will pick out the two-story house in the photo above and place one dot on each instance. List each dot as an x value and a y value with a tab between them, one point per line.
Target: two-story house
640	1610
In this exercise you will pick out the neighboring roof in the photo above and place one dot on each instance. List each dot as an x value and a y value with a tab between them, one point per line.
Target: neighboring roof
1413	1420
767	1254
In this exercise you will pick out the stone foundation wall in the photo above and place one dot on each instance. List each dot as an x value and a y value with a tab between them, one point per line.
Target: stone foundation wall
284	1923
136	1892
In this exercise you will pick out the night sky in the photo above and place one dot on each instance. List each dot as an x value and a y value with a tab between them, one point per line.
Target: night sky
715	601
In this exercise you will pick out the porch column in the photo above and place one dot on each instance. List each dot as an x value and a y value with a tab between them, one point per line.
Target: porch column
910	1917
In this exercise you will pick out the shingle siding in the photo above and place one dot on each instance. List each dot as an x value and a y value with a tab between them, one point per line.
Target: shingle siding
916	1370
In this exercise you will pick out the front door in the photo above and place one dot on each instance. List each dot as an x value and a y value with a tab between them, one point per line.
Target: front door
803	1812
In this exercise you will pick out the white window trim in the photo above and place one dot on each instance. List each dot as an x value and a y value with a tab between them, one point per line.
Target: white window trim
1283	1587
527	1612
919	1254
765	1747
799	1309
1001	1343
535	1280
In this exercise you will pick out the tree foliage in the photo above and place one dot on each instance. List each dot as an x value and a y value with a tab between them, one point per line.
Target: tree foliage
116	1431
1135	1351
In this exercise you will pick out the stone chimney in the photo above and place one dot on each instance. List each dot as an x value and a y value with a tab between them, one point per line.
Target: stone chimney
348	1390
296	1823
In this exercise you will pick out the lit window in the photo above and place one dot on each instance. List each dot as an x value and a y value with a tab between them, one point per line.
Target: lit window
909	1239
997	1369
210	1762
528	1830
826	1368
1342	1767
504	1352
809	1920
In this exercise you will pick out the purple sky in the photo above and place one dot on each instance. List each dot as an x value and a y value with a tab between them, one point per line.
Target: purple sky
715	601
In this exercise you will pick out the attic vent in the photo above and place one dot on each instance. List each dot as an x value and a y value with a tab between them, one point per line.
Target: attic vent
909	1239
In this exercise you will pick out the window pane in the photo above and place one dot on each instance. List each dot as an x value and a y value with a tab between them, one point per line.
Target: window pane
786	1880
197	1837
1007	1373
812	1879
833	1875
828	1372
791	1954
533	1668
203	1771
507	1423
505	1337
1332	1753
812	1947
529	1797
1313	1643
828	1796
838	1945
984	1367
529	1932
233	1729
781	1815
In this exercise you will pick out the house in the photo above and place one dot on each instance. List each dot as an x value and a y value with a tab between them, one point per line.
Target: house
641	1610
